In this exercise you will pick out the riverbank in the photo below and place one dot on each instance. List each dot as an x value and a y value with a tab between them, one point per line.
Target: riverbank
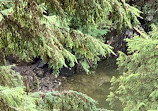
96	84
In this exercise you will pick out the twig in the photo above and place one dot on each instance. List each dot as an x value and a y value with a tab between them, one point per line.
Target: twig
139	32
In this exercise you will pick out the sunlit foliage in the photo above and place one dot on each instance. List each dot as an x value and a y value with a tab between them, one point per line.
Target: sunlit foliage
64	34
137	88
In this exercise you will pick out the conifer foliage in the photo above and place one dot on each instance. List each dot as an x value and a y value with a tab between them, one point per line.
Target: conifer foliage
137	88
65	34
60	31
87	14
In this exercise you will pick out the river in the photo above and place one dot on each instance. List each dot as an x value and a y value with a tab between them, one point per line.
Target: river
95	85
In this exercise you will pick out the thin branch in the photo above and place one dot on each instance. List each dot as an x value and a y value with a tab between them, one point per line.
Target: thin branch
139	32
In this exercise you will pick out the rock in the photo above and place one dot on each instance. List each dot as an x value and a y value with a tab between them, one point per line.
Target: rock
41	64
67	72
129	33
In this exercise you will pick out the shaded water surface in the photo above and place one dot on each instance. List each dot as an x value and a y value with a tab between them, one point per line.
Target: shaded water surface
95	85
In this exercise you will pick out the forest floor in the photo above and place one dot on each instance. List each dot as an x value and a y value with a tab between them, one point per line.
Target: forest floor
33	76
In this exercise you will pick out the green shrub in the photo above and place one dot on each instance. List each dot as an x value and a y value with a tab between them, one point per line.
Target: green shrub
137	88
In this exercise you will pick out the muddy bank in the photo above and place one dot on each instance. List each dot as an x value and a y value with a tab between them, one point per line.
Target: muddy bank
35	78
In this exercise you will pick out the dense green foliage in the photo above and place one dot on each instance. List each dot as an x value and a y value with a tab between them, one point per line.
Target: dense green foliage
9	77
64	34
26	32
137	88
87	15
61	31
149	13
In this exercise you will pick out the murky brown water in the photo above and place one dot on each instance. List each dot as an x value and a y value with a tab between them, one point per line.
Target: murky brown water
94	85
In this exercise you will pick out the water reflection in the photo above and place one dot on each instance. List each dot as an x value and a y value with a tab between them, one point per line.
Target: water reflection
94	85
